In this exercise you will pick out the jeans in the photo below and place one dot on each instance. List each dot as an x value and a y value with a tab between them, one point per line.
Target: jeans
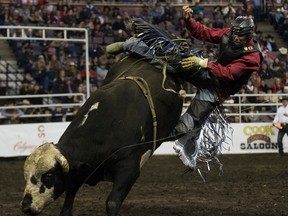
280	137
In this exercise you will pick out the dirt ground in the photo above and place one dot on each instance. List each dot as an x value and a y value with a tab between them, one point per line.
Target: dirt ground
251	185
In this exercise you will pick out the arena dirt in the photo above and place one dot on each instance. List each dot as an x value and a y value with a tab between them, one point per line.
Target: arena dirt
252	184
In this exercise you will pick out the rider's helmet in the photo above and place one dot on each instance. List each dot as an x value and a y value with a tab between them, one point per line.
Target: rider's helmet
242	26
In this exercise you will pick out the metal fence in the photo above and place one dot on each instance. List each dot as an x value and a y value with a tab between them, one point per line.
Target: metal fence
238	108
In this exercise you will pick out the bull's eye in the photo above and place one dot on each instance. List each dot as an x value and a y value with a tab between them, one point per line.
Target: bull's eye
46	178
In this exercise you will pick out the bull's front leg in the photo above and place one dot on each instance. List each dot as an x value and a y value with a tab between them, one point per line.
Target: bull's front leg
68	202
125	174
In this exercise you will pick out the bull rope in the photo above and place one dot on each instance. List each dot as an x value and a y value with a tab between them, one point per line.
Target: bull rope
146	91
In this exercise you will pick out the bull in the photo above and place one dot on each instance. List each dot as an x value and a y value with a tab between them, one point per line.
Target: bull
115	131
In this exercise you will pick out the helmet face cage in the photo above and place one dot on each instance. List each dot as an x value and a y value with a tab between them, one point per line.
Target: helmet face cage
242	26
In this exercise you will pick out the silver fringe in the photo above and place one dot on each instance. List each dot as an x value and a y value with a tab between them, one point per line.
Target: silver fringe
216	135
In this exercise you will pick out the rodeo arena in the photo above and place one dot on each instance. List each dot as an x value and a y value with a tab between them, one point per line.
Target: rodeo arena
92	92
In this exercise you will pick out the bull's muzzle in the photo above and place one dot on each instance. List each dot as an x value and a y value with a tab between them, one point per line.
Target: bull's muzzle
26	205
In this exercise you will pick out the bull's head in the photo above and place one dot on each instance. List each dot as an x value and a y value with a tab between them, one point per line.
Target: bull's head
43	171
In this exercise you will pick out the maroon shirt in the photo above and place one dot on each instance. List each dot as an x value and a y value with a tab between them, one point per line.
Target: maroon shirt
248	63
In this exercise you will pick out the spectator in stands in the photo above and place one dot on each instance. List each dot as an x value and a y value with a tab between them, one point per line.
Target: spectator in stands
169	11
240	11
282	56
217	23
271	99
276	68
39	69
59	82
74	110
180	26
281	122
93	89
118	24
93	74
79	98
24	88
47	112
72	70
265	118
252	115
26	56
277	19
37	90
249	87
255	79
101	73
263	87
119	36
254	99
70	89
106	28
277	86
270	43
115	11
229	11
217	10
58	114
257	10
12	116
265	73
197	8
269	57
158	15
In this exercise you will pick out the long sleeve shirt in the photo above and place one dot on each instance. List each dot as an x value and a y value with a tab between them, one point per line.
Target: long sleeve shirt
248	63
280	115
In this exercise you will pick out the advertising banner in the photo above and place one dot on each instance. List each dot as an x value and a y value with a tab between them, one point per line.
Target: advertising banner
22	139
247	138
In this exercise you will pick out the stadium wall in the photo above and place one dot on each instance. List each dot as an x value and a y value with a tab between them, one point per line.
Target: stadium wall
22	139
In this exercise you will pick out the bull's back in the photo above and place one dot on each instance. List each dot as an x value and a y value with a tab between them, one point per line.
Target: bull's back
118	114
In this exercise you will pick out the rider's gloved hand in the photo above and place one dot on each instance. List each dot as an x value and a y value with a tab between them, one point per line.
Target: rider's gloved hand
191	62
187	12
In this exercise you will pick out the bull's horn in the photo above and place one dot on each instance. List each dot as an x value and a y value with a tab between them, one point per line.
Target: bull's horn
63	162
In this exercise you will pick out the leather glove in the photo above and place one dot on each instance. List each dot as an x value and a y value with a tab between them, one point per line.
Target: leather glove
190	62
187	12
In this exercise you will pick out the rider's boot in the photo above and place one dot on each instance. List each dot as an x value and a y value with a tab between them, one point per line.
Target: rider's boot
115	48
185	147
188	130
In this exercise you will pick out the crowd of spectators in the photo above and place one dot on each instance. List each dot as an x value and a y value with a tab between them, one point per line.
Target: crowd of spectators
59	67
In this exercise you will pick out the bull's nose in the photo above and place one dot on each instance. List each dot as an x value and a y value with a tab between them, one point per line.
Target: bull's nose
26	204
28	211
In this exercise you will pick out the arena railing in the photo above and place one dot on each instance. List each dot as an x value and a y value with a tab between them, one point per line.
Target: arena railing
50	101
234	108
237	111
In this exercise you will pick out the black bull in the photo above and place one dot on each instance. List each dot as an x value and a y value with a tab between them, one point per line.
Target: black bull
111	132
